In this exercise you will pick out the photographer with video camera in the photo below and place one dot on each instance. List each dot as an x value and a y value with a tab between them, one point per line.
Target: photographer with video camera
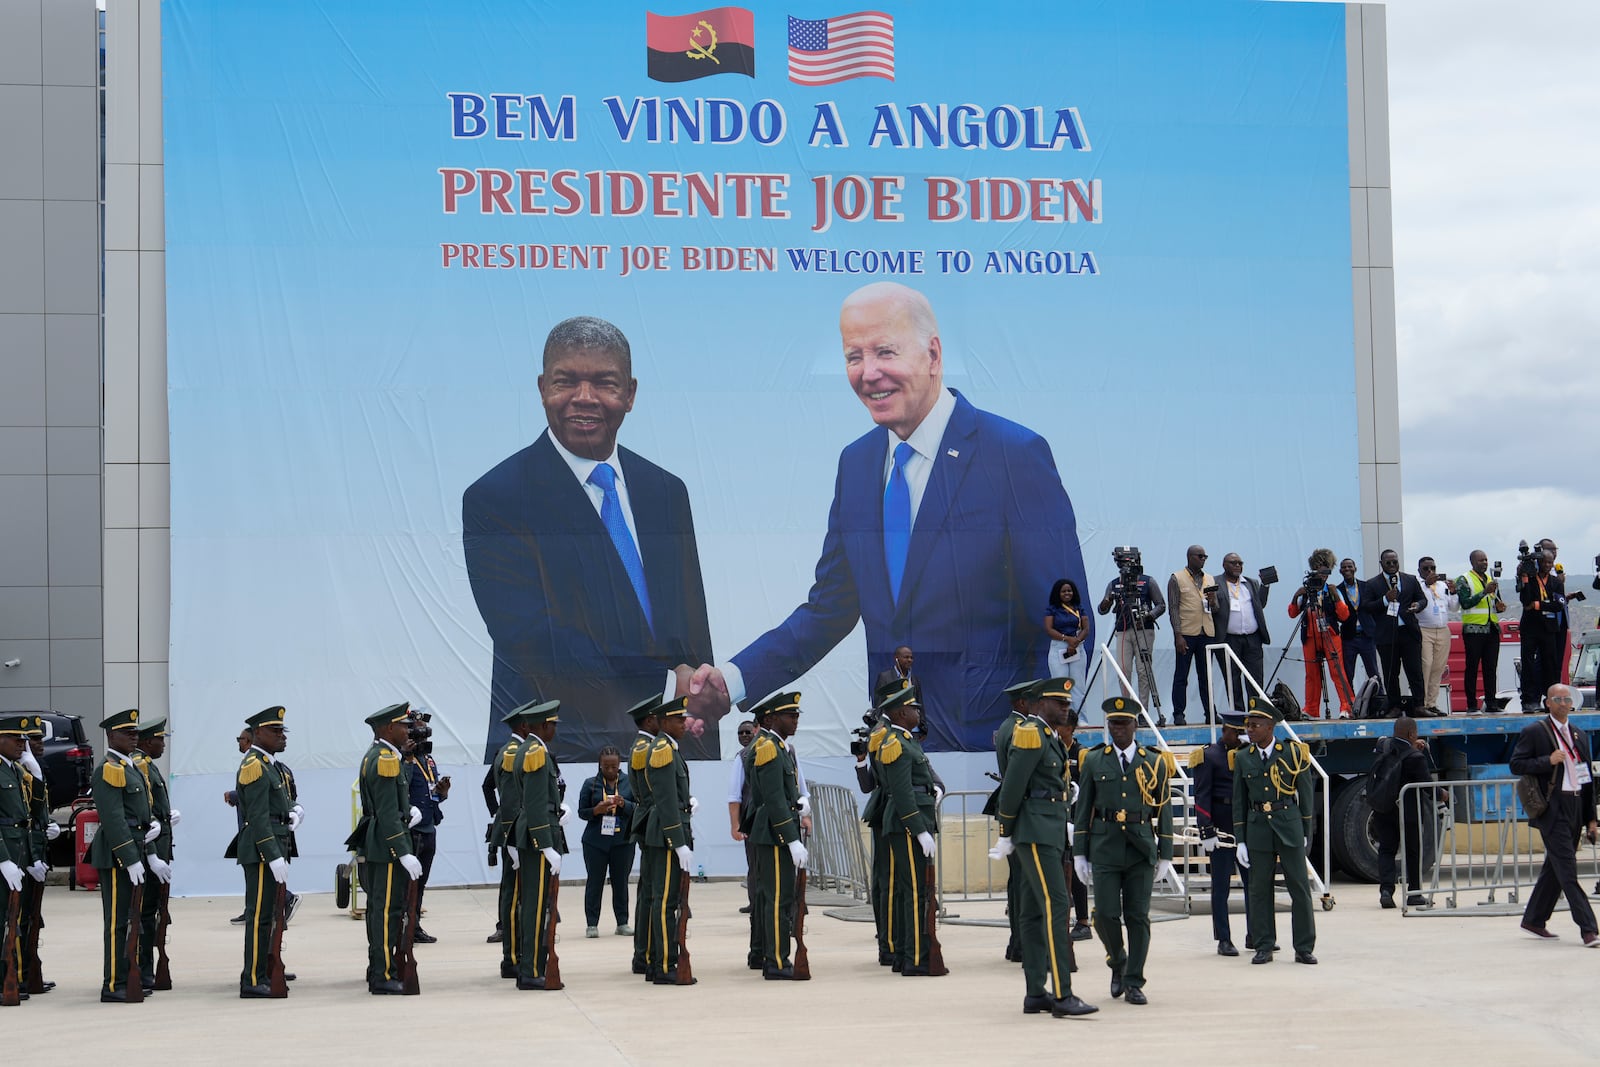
1544	626
428	792
1138	603
1320	608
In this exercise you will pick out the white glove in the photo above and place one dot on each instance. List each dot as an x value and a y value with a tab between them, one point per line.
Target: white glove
39	870
516	858
31	764
1208	845
280	870
153	832
1244	856
297	815
416	817
12	874
1072	798
412	865
566	814
1166	870
553	858
685	857
161	869
1308	844
805	806
175	817
694	805
1002	848
1081	868
938	796
136	873
1072	833
797	852
925	841
52	830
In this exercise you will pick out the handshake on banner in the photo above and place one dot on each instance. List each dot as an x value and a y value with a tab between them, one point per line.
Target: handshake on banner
707	691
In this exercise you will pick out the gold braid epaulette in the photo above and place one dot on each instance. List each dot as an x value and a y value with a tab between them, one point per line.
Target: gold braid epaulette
1285	773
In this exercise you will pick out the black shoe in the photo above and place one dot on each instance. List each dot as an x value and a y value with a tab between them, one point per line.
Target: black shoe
745	910
1416	900
255	992
897	965
885	960
777	974
1013	954
291	904
508	970
47	986
1136	996
1263	955
1035	1005
1249	942
391	988
148	984
640	968
671	979
1305	957
1225	948
1081	932
914	972
1116	985
1071	1005
1386	898
422	937
238	920
288	976
495	938
1177	720
530	983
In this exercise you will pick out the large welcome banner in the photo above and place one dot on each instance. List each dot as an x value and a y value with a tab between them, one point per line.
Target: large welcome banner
1097	252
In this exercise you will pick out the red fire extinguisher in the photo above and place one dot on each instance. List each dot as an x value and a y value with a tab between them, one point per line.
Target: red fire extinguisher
85	823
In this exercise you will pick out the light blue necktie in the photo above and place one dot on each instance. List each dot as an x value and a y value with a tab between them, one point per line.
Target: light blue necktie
897	518
617	526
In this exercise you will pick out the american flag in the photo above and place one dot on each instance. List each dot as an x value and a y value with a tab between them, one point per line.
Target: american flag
824	51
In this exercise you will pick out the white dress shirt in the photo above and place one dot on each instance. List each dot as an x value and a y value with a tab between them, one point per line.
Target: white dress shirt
1437	614
582	468
1241	606
924	440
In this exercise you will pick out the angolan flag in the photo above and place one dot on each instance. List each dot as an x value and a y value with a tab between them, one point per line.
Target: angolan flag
721	40
824	51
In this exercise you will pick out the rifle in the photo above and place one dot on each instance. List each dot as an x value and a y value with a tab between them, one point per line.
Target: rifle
277	985
163	920
930	920
405	956
30	951
802	962
10	994
552	967
685	972
134	989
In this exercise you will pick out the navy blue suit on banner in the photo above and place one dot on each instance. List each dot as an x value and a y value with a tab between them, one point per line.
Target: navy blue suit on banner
993	532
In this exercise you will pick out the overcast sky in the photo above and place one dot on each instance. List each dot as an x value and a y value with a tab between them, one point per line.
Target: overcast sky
1494	111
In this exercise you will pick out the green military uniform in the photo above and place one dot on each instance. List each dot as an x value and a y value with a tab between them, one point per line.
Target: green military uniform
668	829
1033	811
1002	743
872	815
1124	827
502	836
909	810
1274	802
381	838
118	851
16	832
36	793
774	823
161	811
538	821
264	802
643	802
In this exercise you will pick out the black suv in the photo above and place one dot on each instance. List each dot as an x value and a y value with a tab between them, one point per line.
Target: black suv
68	758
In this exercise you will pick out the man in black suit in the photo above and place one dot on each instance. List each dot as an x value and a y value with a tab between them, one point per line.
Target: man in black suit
900	671
582	557
1558	754
1241	623
1391	601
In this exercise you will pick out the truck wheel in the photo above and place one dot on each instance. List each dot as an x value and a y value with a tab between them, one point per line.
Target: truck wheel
1355	847
341	885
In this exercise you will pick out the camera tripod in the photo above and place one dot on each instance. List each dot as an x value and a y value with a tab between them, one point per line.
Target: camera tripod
1332	672
1133	617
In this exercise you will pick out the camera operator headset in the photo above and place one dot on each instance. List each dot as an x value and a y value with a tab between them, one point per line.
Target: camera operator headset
428	792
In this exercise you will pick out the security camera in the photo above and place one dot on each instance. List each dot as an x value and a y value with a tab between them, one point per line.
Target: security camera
13	663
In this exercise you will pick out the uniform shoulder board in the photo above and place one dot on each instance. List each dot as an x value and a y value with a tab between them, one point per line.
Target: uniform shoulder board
1108	749
1197	757
889	750
1232	752
766	751
640	754
508	761
1169	762
249	771
1302	750
661	755
113	774
533	759
388	764
875	740
1026	735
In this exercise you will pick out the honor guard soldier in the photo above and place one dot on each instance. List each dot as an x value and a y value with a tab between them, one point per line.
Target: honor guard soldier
42	830
1211	768
503	837
121	845
1274	798
774	829
18	862
643	715
1033	812
1017	698
910	820
1123	837
263	845
668	842
382	838
151	746
537	840
870	780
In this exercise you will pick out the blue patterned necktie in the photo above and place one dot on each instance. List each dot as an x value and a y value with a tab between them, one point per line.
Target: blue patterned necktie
897	518
617	526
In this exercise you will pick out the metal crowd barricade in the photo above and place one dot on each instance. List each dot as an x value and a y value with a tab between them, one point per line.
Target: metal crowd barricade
838	859
1479	856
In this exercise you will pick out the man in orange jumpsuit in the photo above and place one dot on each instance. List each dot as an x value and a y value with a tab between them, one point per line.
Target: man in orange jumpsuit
1320	609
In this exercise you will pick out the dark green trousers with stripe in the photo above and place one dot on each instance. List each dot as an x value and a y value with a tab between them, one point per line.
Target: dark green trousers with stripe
1122	898
260	896
116	900
1043	927
386	885
773	870
658	913
649	875
908	932
510	921
533	914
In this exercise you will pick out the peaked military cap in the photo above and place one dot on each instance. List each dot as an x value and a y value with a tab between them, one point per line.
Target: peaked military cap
645	708
776	704
33	725
675	706
519	712
889	689
1059	688
902	698
1017	690
19	724
272	716
1262	709
1120	708
546	712
154	728
122	720
1233	718
393	713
